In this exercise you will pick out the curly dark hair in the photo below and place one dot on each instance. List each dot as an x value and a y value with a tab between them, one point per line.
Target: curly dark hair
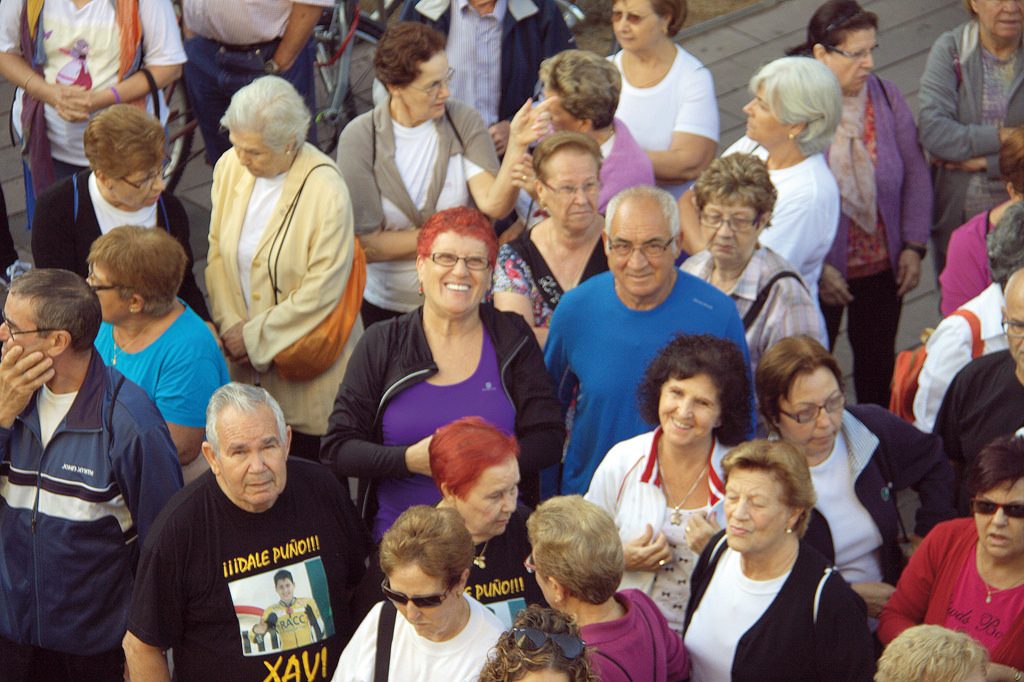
508	662
401	50
689	355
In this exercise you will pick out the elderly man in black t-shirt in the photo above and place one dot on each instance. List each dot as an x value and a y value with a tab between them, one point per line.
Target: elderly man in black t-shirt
222	546
986	399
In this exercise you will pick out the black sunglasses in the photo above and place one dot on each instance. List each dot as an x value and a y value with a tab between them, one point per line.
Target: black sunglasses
426	602
987	508
532	639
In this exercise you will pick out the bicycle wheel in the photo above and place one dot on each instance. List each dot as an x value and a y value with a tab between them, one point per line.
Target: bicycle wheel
180	132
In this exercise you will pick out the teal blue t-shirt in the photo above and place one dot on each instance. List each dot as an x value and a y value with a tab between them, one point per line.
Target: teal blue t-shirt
179	371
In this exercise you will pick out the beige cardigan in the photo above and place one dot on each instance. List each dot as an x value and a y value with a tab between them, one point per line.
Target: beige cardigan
311	263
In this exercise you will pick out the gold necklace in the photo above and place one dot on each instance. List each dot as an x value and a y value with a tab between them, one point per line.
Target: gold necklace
123	348
989	591
480	561
676	517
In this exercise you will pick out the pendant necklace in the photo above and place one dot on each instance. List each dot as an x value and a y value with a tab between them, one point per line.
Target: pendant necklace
480	561
676	518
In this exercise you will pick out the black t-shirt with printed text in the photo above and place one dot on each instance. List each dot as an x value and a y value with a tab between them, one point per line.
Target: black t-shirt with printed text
246	596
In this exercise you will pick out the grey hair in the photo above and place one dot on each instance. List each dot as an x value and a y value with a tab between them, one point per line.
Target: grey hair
1005	244
666	202
802	90
243	398
272	107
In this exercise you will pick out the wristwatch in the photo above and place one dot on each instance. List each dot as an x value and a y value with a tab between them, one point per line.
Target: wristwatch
919	249
271	67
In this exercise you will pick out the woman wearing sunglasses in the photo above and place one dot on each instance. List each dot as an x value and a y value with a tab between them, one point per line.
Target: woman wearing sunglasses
452	357
968	574
578	562
860	457
428	627
543	645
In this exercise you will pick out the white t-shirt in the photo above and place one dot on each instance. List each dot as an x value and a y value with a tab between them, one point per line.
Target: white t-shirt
241	22
416	658
393	284
53	407
855	536
265	193
682	102
110	217
806	215
731	605
82	47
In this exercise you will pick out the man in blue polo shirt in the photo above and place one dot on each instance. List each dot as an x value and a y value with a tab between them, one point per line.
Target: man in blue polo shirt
606	331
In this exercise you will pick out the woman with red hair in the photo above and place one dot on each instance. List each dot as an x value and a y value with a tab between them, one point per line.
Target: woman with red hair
475	466
452	357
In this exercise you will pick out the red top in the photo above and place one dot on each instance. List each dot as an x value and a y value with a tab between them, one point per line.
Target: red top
925	591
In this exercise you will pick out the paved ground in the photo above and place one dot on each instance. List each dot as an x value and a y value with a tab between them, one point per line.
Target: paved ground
733	47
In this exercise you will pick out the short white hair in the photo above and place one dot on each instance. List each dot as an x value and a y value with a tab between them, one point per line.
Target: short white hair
271	107
802	90
243	398
666	202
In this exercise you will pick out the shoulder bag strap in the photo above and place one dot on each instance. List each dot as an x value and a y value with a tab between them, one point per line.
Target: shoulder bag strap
762	296
385	633
821	588
977	345
154	91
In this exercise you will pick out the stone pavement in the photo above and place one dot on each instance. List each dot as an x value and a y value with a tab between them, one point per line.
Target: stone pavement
732	47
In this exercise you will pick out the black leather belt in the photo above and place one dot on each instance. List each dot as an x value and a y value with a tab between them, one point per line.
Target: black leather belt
255	47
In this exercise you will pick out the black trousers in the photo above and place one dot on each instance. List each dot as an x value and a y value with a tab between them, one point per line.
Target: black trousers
872	320
21	663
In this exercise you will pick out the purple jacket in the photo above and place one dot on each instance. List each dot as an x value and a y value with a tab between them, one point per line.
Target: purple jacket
638	646
904	185
627	166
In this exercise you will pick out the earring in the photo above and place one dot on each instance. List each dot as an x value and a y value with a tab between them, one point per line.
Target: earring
789	531
421	289
792	136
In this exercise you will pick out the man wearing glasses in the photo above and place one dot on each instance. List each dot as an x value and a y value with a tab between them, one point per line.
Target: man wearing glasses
986	399
260	524
86	464
605	331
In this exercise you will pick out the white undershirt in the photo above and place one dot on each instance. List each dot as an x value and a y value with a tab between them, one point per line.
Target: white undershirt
110	217
265	193
855	536
393	284
53	407
732	604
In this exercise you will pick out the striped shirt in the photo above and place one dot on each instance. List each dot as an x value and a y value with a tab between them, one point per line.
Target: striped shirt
474	50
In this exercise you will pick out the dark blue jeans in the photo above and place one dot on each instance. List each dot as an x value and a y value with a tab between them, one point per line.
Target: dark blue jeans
213	74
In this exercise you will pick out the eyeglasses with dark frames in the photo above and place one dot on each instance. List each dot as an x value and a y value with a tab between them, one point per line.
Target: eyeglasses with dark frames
988	508
808	414
90	279
531	639
857	56
428	601
1013	328
450	260
14	331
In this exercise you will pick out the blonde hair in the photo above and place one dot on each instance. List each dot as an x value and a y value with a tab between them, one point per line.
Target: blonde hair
929	653
784	463
564	141
576	543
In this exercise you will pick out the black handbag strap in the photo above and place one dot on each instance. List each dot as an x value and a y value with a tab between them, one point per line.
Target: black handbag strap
762	296
154	91
385	634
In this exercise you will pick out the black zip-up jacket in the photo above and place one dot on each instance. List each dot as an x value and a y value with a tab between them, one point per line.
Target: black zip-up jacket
394	355
816	628
61	237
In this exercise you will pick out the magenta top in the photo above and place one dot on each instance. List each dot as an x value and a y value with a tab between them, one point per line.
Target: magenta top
627	165
980	611
421	409
966	274
638	646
